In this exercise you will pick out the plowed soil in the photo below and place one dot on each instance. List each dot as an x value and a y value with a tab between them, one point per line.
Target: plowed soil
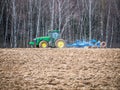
59	69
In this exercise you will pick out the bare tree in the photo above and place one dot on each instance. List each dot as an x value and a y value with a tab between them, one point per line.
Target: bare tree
90	19
14	15
107	26
38	18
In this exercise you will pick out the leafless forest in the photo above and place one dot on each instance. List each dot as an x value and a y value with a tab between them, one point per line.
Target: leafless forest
23	20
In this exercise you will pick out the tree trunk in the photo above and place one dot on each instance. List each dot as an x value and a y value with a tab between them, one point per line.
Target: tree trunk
52	14
14	23
6	33
102	25
38	19
111	40
107	26
90	19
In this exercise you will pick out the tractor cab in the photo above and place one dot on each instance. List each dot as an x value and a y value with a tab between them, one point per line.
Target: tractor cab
54	34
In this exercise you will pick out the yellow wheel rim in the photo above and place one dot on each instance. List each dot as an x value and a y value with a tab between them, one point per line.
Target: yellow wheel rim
60	44
44	45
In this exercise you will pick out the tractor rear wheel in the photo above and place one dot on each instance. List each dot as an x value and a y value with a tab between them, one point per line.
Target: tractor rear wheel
43	44
60	43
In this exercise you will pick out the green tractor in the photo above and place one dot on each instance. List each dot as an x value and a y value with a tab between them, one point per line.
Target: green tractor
52	40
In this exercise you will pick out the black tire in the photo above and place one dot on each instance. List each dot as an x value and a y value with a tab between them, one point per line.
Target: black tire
60	43
43	44
103	44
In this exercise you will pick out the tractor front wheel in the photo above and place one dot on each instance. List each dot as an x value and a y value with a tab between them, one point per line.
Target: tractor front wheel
43	44
60	43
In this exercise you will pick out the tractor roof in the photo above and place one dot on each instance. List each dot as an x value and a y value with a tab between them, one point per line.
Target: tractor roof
52	31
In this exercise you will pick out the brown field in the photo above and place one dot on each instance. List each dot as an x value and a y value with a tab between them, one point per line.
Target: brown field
59	69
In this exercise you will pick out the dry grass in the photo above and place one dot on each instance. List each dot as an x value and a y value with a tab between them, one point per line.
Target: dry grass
59	69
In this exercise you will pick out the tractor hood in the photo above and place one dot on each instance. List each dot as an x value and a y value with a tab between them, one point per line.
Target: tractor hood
42	38
31	43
